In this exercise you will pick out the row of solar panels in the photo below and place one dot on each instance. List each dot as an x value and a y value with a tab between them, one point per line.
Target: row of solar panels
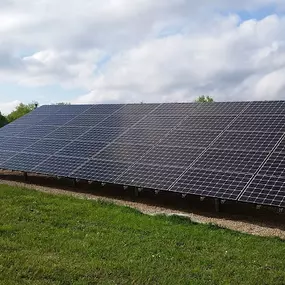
226	150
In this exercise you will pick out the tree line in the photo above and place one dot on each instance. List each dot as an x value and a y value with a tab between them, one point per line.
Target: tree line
23	109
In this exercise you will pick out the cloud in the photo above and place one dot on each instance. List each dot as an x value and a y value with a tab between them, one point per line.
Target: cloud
7	107
132	51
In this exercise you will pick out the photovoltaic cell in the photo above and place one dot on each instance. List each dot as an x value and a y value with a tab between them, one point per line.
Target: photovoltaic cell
47	109
23	161
5	155
102	134
12	130
264	190
231	160
83	149
101	170
171	156
57	120
68	133
247	141
274	166
159	122
87	120
269	124
174	109
220	109
211	183
190	138
30	119
120	121
266	108
150	176
73	109
103	109
17	144
47	146
281	147
37	131
206	122
137	109
142	136
123	152
59	166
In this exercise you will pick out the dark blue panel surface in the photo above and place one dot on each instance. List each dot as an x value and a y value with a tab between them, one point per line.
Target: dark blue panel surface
17	144
211	183
150	176
67	133
23	161
83	149
59	166
101	170
47	146
37	131
103	134
123	152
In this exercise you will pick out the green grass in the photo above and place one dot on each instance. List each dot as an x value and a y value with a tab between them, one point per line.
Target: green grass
47	239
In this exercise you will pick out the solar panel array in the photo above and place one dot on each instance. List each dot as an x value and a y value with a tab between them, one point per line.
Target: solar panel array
233	151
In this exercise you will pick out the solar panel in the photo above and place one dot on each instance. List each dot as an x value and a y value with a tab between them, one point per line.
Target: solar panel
86	120
142	136
247	141
206	122
67	132
266	108
23	161
120	121
220	109
57	120
123	152
59	166
159	122
5	155
150	176
47	146
171	156
190	138
103	134
82	149
259	123
211	183
36	131
17	144
100	170
12	130
264	190
174	109
103	109
231	160
232	150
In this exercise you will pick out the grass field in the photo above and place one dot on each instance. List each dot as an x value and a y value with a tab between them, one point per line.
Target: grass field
47	239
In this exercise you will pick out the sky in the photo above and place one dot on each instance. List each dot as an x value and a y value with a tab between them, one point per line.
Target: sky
122	51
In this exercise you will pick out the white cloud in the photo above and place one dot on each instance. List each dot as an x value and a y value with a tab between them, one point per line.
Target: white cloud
144	50
7	107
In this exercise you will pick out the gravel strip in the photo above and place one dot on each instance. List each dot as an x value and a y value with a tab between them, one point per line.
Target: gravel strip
246	227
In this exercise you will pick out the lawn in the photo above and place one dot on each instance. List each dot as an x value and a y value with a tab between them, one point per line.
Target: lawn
46	239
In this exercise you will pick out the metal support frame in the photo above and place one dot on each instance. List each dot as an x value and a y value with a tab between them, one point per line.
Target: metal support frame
74	181
26	176
217	205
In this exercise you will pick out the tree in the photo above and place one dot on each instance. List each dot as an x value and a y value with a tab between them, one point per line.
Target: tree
204	99
21	110
3	120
